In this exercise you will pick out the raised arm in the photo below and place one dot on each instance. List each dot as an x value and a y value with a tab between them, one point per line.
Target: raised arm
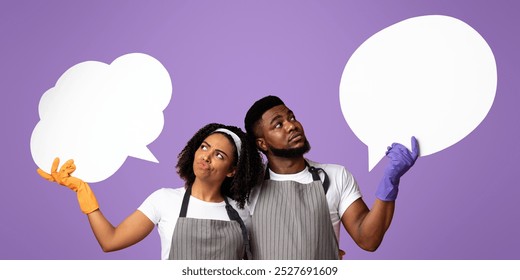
368	227
132	230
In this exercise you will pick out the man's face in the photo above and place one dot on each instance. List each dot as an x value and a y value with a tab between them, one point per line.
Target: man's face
280	134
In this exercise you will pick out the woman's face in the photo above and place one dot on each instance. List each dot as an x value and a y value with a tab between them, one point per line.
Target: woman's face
214	158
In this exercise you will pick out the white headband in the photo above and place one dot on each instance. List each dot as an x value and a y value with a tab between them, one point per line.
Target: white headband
235	137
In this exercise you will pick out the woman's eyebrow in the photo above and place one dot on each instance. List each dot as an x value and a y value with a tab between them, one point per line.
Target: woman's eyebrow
220	151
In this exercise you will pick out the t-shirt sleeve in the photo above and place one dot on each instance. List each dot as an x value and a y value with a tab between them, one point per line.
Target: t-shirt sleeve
349	191
150	206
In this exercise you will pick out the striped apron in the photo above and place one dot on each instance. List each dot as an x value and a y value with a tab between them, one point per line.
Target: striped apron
291	221
204	239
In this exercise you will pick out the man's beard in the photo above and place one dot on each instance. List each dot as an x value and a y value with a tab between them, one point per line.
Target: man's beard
292	153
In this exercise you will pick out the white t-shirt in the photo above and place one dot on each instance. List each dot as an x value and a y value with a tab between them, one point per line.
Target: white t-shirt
342	192
163	206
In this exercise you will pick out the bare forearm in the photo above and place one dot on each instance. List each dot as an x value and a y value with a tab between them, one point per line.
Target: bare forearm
103	230
132	230
375	224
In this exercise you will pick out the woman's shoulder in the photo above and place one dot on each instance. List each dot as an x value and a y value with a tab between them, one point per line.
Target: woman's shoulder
169	192
163	199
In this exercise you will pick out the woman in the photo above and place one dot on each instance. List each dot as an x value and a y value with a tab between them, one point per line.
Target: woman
219	167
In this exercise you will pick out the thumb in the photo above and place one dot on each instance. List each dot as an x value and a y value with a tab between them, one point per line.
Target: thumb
415	148
45	175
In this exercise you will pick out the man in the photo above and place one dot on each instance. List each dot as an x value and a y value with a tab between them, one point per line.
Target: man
296	212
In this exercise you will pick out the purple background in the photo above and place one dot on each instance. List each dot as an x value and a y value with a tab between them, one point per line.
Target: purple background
222	55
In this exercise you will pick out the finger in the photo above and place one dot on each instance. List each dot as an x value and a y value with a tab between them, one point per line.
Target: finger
400	153
45	175
398	148
415	147
405	151
55	164
68	167
67	164
56	177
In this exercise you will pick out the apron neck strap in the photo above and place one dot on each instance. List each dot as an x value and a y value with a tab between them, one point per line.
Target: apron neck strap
185	201
232	214
314	172
316	177
266	173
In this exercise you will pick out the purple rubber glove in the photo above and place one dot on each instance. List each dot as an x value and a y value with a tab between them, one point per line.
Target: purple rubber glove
401	159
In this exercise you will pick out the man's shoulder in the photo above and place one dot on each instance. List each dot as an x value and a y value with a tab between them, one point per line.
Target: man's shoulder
327	166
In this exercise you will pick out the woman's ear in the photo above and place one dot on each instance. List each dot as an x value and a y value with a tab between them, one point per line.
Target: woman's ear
232	172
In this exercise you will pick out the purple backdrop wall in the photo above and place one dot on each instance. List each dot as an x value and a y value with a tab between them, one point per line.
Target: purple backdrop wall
222	55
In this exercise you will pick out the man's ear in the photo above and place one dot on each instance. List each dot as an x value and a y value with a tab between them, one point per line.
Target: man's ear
260	143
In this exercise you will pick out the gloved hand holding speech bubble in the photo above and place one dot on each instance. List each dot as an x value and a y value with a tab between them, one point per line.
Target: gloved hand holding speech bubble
433	77
99	114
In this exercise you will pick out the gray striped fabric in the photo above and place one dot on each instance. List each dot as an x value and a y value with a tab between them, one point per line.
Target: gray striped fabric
291	221
201	239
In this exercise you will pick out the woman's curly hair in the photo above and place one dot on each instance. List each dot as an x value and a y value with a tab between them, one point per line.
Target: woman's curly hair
249	168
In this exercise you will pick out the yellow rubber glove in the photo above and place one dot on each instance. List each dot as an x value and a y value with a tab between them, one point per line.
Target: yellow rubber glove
87	201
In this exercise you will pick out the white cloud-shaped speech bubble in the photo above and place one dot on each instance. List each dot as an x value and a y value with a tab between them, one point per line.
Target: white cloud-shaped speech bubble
433	77
99	114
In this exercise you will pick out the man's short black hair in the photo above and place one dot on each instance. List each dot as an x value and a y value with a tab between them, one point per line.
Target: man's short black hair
254	114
